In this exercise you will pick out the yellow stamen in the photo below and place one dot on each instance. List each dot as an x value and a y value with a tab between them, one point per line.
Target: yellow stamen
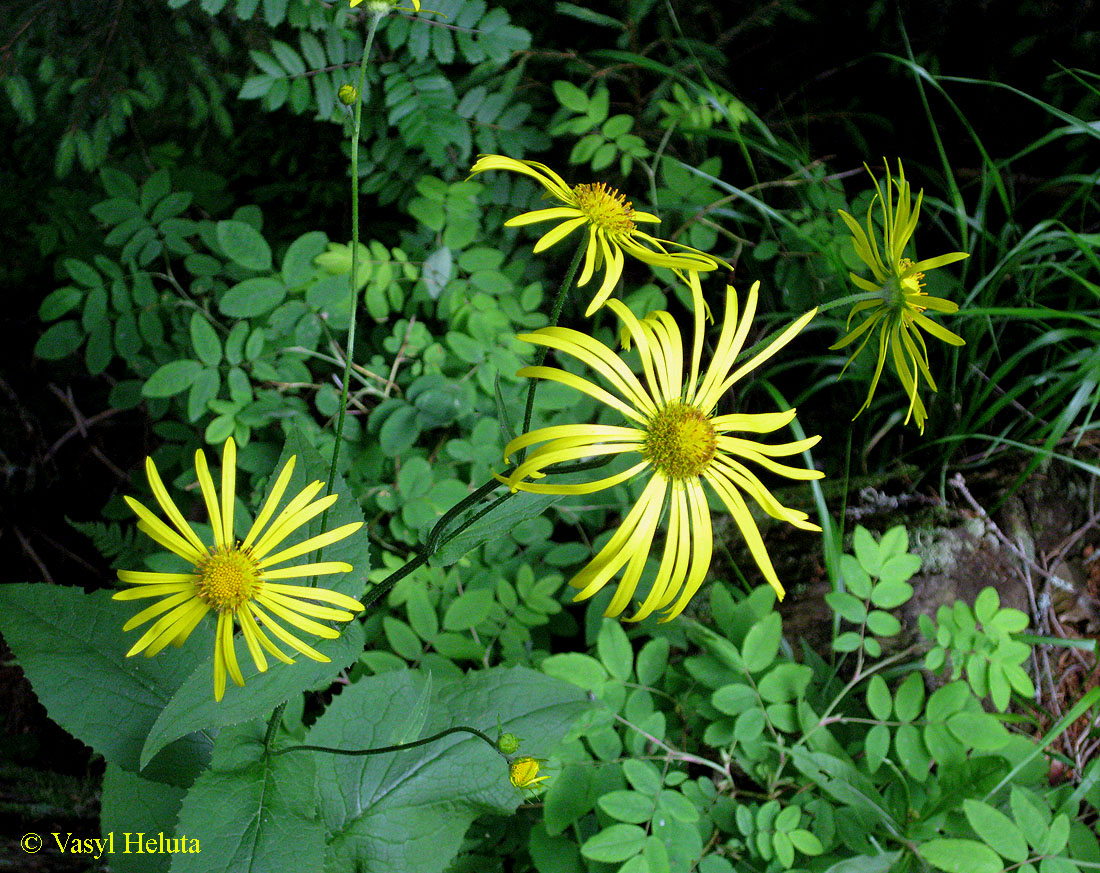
228	579
605	207
679	441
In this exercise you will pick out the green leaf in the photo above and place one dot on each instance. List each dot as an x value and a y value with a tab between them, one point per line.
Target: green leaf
410	811
1057	835
131	805
890	595
576	668
505	516
910	697
856	580
193	706
1031	814
899	568
245	245
59	302
986	605
615	843
979	730
911	752
570	96
71	647
252	297
785	682
733	699
882	624
59	340
846	606
997	829
762	643
848	641
876	746
615	651
250	809
298	261
628	806
204	339
961	856
878	698
866	550
173	378
652	661
469	609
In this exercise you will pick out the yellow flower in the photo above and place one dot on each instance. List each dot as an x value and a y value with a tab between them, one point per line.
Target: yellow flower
235	578
682	442
524	773
901	303
612	227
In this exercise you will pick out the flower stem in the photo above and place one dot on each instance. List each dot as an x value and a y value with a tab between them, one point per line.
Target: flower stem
372	28
399	747
540	356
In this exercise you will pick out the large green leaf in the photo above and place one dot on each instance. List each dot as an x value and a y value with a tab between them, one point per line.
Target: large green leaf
132	805
409	810
504	517
71	646
250	813
194	707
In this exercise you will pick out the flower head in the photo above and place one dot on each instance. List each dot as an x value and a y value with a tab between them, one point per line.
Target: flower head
681	441
236	578
901	303
524	773
612	224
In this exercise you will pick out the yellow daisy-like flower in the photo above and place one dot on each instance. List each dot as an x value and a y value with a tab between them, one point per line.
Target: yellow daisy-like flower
384	6
524	773
236	579
901	304
682	443
612	227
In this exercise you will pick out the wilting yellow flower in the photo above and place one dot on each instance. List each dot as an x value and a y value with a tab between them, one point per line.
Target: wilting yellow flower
682	442
524	773
236	578
384	6
612	227
901	303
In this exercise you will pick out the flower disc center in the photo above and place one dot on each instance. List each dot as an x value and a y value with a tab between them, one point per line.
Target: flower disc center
227	579
605	207
679	441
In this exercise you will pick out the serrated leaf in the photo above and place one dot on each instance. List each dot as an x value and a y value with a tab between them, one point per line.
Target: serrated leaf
249	809
71	647
133	805
505	516
409	811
